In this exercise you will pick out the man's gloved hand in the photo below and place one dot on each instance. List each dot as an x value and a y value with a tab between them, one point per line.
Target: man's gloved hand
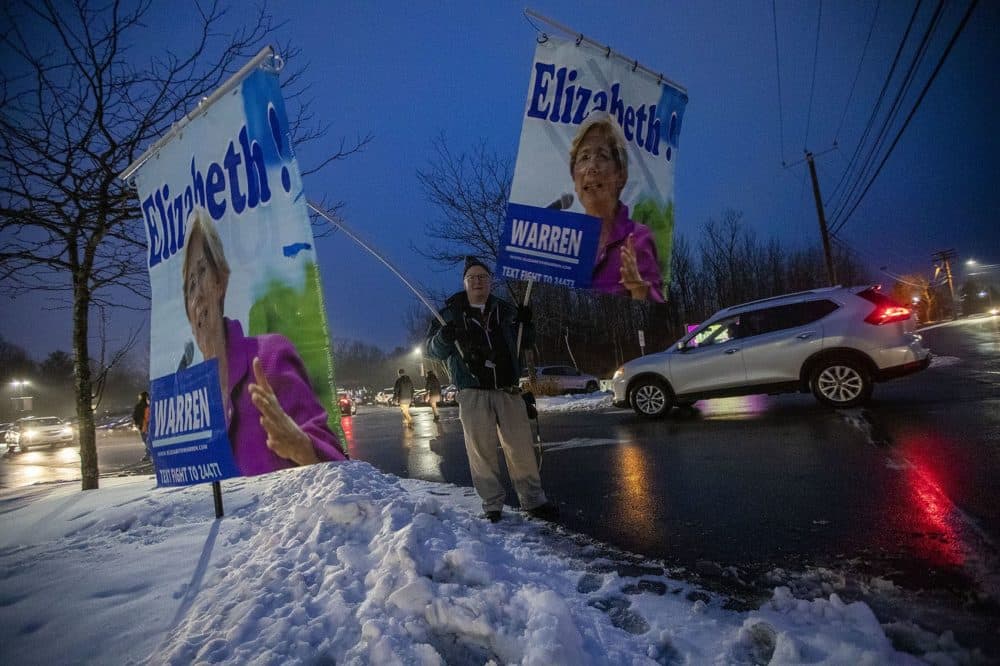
523	314
449	333
452	333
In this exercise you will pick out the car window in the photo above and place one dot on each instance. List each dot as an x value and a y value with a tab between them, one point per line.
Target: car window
781	317
717	332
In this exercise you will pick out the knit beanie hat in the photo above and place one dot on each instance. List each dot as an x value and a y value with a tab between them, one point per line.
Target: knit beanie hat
474	261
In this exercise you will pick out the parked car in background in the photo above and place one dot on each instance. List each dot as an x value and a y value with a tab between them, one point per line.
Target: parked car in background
4	429
836	342
35	431
114	423
348	405
420	397
449	396
384	397
562	379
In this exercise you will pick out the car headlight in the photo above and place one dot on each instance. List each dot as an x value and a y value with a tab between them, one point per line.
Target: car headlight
67	431
30	434
618	373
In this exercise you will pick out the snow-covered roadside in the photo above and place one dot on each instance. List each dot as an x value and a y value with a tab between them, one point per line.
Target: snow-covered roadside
342	562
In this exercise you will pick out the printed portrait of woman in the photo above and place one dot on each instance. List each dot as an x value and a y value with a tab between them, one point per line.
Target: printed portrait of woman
627	263
273	416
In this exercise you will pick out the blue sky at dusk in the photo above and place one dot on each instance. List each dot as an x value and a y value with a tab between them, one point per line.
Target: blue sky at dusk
408	71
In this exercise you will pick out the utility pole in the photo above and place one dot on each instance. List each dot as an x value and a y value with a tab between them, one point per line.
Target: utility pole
945	257
830	273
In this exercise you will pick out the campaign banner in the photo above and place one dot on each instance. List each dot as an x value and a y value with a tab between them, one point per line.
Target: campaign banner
240	365
599	139
548	246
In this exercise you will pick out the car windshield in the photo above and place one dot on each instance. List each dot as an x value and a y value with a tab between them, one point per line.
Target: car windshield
44	421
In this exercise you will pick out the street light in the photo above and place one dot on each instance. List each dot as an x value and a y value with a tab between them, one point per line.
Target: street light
419	351
19	400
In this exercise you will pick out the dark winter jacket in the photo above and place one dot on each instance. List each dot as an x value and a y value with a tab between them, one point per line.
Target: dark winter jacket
491	361
433	385
402	390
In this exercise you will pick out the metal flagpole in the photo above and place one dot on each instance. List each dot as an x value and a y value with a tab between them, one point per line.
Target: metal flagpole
340	224
233	81
581	38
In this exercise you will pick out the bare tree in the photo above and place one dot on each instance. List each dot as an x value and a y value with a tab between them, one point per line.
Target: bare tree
471	192
76	108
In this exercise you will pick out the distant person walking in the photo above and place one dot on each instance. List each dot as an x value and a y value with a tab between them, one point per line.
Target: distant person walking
433	392
140	419
479	343
402	391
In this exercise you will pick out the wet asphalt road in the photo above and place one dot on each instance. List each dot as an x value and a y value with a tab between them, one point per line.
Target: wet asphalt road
746	493
909	482
895	503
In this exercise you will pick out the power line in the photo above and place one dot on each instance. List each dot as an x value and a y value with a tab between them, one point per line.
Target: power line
893	111
878	102
847	247
857	74
812	86
913	111
777	67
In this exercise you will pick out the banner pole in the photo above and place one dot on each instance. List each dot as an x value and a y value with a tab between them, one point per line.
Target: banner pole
203	104
520	326
217	494
340	224
580	37
378	255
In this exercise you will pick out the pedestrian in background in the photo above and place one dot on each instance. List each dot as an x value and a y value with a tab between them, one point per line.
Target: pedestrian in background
479	343
140	419
433	387
402	391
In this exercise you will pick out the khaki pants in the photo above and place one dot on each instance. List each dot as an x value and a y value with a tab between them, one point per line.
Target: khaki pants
492	417
404	407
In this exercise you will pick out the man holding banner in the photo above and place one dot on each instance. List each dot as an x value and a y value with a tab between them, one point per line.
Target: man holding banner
479	344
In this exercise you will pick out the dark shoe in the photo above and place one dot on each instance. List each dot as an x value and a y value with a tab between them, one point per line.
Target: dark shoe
492	516
547	511
437	418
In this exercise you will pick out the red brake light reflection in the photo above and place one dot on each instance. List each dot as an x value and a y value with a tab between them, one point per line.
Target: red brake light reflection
888	315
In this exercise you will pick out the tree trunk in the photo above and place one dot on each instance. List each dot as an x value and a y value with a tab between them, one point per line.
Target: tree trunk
84	389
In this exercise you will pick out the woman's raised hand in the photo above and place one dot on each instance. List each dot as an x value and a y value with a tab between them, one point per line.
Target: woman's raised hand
631	279
284	436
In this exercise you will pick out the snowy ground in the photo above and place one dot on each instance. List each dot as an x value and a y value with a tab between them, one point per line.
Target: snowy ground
340	563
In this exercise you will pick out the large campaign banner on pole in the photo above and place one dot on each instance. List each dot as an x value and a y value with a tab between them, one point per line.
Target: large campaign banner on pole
240	364
591	204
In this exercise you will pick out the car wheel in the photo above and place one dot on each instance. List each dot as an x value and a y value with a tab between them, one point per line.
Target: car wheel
841	382
651	398
591	387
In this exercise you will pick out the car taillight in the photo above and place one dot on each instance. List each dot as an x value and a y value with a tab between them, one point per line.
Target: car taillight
888	314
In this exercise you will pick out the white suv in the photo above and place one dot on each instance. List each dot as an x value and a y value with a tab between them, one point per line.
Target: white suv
836	342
